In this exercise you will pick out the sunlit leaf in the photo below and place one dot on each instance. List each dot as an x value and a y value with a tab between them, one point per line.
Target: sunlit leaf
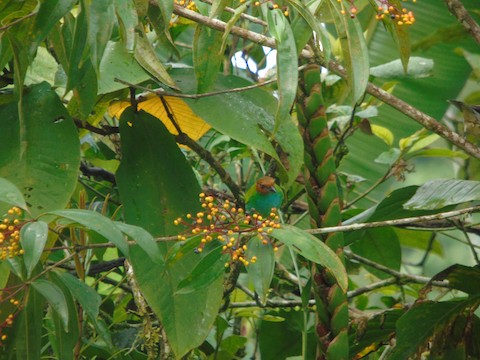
191	124
54	297
33	237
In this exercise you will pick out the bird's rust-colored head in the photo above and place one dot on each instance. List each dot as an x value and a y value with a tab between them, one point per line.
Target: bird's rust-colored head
266	185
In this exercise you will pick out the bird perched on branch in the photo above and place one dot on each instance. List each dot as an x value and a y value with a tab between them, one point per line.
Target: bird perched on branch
264	196
471	117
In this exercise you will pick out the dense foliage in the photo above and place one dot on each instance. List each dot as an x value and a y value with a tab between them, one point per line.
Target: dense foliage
132	130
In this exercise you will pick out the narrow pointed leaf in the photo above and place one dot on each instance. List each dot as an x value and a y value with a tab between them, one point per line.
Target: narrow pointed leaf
95	221
207	56
147	58
54	297
287	64
314	250
142	238
354	49
87	297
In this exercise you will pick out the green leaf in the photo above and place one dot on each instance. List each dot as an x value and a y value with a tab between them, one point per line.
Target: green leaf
101	21
207	56
461	277
354	49
314	25
314	250
54	297
49	13
127	21
428	318
87	297
400	35
27	333
418	67
147	58
178	313
207	271
382	246
116	60
33	237
287	65
142	238
260	272
156	183
10	194
64	340
46	170
95	221
436	194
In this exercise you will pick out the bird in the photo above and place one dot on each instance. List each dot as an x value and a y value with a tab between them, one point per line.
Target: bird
264	196
471	117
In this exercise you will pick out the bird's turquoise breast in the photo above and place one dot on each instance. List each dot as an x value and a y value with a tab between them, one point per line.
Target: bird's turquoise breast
263	204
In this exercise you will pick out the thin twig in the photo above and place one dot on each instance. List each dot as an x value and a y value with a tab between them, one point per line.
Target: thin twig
425	120
250	18
456	8
342	228
5	27
162	92
396	274
396	222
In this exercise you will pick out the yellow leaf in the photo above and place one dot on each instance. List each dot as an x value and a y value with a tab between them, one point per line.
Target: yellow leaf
382	133
189	123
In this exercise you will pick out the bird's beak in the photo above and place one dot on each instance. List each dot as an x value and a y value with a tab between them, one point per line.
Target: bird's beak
272	189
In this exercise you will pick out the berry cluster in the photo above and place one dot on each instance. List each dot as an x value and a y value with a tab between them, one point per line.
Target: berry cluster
10	234
271	5
402	16
385	10
221	220
8	294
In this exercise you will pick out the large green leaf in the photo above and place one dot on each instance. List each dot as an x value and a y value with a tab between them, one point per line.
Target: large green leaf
461	277
10	194
428	317
436	194
314	250
33	237
40	151
382	246
157	185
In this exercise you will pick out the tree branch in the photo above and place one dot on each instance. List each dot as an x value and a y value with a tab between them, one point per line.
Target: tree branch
456	8
425	120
